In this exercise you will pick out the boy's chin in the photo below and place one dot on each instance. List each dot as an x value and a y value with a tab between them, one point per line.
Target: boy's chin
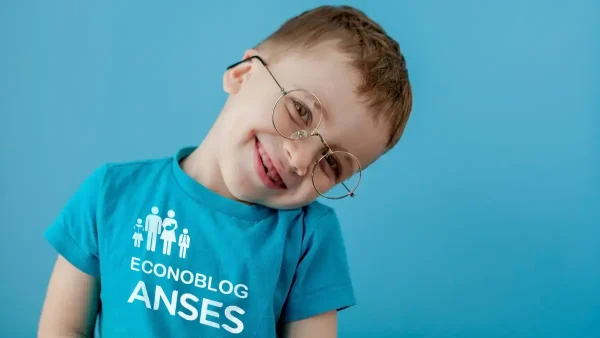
282	202
285	206
246	190
289	201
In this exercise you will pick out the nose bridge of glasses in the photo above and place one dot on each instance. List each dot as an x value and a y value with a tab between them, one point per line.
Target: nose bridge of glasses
303	153
327	147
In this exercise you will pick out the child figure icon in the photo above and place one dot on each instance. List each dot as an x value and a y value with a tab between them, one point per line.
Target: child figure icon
184	243
137	235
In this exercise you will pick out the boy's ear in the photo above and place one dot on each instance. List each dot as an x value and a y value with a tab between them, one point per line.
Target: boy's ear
235	77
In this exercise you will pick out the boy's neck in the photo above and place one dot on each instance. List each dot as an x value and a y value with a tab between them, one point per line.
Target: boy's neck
203	166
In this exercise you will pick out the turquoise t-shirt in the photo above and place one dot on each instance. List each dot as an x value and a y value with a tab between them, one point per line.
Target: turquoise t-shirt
175	259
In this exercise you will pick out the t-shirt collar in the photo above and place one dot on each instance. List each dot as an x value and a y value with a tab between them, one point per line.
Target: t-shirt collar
212	199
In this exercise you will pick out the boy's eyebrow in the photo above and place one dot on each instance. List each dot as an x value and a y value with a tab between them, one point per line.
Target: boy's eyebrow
349	163
324	113
319	106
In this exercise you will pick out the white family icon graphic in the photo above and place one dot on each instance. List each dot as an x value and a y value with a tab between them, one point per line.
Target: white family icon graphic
166	228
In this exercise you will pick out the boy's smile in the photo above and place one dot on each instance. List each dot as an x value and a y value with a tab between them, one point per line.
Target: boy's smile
268	170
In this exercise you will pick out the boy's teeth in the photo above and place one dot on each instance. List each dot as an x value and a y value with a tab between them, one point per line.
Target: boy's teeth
272	174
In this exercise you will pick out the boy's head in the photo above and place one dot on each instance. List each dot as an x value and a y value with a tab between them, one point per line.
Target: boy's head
329	79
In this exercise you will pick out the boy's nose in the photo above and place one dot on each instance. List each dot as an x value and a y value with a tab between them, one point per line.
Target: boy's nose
301	154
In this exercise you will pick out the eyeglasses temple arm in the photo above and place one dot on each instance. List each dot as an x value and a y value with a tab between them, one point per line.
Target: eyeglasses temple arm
264	64
349	192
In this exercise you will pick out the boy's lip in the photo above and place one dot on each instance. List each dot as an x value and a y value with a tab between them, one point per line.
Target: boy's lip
260	170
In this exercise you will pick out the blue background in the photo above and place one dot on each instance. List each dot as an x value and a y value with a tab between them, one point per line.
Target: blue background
483	222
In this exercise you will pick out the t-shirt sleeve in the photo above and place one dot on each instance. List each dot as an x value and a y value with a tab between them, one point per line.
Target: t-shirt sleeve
322	282
73	234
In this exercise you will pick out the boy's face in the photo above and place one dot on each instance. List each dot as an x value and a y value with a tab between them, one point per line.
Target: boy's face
259	165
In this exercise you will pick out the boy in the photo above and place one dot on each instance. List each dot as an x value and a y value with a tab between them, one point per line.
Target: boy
229	240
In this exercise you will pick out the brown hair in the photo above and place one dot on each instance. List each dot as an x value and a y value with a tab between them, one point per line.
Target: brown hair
374	54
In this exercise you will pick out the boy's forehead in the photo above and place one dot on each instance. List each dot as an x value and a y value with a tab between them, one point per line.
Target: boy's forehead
349	125
318	64
347	121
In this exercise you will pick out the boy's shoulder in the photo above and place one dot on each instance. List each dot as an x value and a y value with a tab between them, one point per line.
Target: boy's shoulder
110	179
131	170
132	166
316	211
318	217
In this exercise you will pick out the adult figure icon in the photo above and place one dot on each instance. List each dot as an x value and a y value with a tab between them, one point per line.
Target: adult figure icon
169	224
153	228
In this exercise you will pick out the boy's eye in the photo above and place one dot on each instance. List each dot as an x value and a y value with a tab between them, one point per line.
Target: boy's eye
303	112
333	166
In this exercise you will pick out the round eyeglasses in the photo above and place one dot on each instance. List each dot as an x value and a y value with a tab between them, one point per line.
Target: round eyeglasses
297	115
